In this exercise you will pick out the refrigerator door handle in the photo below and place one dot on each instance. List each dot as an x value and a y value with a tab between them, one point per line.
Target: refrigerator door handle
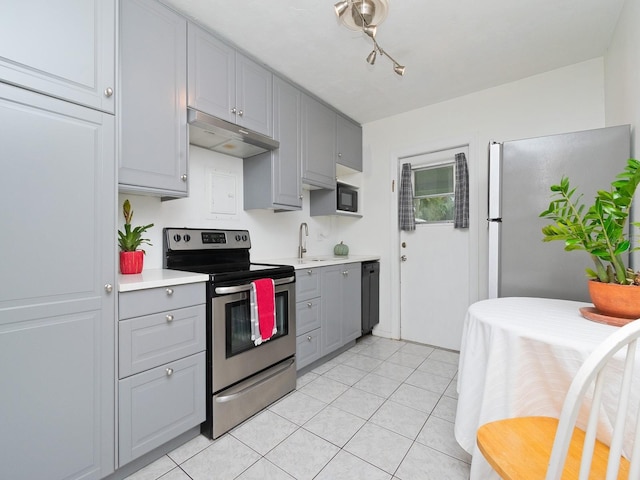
495	180
494	259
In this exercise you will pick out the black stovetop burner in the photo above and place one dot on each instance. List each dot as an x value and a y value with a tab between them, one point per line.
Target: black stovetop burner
223	254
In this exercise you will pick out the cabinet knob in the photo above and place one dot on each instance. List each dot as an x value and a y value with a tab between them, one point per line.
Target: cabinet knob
339	155
309	338
169	291
240	113
309	304
169	318
301	197
233	110
169	372
183	177
345	273
310	272
108	288
108	92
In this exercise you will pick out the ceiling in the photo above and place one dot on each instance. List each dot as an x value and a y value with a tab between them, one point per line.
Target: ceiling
450	47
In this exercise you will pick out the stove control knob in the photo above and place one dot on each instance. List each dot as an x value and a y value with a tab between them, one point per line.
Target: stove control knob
238	238
177	237
186	237
244	238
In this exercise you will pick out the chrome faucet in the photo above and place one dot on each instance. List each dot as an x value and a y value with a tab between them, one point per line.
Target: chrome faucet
302	248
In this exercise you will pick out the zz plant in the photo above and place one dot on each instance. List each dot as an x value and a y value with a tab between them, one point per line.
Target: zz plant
601	229
131	239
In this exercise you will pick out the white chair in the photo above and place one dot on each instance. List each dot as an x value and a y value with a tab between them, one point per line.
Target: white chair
548	448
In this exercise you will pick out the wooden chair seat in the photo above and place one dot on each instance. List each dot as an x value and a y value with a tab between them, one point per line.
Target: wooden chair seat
520	448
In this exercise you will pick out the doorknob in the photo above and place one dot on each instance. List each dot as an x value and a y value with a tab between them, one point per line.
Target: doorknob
403	258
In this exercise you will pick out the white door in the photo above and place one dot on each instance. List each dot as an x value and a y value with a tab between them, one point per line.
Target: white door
435	266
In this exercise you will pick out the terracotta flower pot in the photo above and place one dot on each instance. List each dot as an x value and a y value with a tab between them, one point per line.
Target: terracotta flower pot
622	301
131	262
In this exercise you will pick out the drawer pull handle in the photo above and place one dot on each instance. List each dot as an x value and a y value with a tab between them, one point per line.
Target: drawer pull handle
169	372
309	338
169	291
309	304
169	318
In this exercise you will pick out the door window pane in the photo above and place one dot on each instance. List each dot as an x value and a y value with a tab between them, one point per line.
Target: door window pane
434	194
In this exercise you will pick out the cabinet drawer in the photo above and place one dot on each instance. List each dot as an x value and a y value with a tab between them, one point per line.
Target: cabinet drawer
149	341
153	300
307	348
160	404
307	284
307	315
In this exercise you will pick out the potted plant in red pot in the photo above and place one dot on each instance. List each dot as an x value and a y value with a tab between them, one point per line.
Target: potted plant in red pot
131	256
601	230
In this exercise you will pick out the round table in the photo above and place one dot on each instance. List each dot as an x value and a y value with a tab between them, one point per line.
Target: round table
518	357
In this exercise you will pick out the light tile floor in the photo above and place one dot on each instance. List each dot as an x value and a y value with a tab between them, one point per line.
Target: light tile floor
382	410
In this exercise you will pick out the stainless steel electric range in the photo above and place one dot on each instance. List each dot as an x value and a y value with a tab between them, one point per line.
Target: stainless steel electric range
241	378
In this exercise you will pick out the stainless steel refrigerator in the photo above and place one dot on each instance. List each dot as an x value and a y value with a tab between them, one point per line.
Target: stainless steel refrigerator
520	174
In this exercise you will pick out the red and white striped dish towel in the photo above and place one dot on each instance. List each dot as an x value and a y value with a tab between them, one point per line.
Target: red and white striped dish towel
263	310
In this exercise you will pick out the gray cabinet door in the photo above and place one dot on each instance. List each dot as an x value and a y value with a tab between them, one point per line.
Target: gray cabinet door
331	308
287	181
351	302
212	75
65	49
318	144
153	102
159	404
272	179
56	316
349	143
228	85
254	96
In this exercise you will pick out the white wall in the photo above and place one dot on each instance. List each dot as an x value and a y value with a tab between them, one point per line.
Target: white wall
564	100
622	83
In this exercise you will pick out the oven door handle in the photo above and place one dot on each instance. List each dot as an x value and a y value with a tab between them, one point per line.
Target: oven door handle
247	287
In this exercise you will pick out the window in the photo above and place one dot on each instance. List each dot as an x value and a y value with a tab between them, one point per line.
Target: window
433	198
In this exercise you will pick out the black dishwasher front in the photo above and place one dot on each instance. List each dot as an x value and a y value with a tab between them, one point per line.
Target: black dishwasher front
370	295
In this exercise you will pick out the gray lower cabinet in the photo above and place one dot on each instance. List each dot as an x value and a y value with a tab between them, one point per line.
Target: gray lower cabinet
228	85
318	144
153	146
349	143
327	310
57	303
162	361
65	49
308	317
341	305
272	179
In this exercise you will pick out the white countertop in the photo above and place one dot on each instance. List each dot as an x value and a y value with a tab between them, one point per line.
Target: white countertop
318	260
158	277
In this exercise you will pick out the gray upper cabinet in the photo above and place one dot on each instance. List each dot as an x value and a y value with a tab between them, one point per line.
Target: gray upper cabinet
228	85
318	144
65	49
153	145
272	179
349	143
57	302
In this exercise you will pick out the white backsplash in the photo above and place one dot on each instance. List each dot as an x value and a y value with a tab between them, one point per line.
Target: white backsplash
273	235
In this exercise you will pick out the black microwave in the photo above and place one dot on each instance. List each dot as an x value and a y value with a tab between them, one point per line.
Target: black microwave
347	198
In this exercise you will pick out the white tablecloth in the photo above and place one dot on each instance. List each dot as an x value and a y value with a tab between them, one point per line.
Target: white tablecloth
518	357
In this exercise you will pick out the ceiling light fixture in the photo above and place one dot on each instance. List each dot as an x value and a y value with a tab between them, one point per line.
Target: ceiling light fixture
366	15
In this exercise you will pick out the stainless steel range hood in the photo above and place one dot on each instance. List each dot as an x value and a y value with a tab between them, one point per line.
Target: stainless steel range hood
221	136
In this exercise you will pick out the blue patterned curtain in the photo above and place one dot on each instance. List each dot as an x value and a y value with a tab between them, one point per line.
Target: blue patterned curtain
461	216
406	213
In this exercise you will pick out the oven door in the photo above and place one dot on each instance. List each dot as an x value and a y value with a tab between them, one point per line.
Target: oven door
234	355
